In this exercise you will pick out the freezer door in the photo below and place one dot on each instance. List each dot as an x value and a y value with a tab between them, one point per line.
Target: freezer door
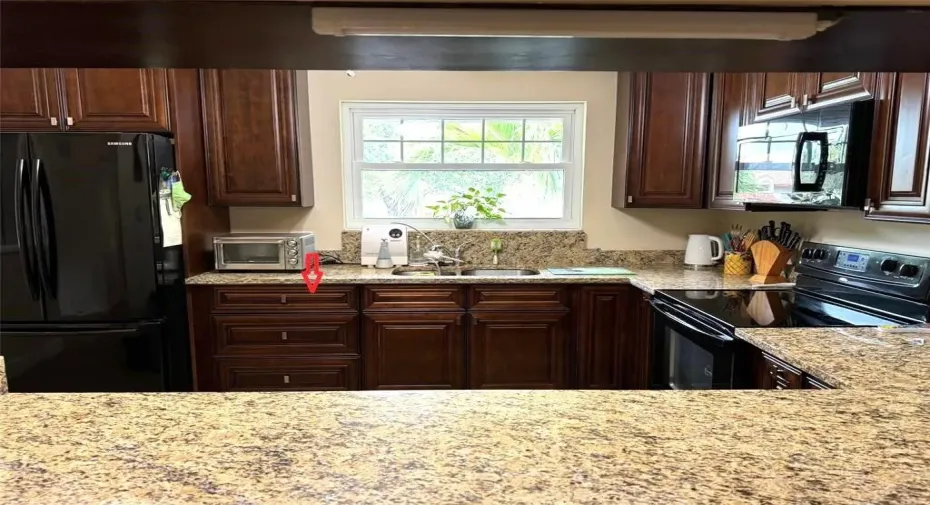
95	230
20	298
76	360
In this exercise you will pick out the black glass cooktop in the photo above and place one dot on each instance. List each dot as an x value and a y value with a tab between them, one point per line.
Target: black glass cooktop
776	308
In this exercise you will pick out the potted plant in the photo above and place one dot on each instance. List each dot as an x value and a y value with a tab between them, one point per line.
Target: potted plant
461	209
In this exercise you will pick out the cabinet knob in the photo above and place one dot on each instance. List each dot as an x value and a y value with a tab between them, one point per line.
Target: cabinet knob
54	121
287	379
283	298
283	335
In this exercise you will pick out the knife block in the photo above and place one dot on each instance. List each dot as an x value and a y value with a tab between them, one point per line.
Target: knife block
770	260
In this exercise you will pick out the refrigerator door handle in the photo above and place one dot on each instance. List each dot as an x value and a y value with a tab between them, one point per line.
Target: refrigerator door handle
22	238
44	232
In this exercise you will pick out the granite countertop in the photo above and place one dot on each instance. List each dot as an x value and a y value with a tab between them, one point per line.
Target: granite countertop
839	446
860	358
647	278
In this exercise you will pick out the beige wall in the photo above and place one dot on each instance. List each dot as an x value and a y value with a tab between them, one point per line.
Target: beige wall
606	227
845	228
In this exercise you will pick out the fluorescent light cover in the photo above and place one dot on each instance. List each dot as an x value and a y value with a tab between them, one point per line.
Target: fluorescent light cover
566	23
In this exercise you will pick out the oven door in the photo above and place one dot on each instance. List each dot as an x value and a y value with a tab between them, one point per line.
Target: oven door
689	352
244	254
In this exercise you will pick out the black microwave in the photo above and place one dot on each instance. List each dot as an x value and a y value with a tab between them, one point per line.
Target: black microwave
816	159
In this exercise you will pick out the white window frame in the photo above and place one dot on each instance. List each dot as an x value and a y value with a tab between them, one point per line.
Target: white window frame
572	114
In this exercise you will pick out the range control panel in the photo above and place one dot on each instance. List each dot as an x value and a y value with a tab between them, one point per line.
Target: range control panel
875	265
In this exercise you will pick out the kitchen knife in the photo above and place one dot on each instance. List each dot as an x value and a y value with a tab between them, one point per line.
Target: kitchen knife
772	233
786	234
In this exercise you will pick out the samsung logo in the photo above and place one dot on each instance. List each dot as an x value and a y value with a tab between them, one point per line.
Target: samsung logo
119	143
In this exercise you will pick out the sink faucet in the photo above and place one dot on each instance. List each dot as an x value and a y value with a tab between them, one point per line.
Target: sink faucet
435	255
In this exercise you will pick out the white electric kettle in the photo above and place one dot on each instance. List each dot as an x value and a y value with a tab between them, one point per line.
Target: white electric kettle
701	251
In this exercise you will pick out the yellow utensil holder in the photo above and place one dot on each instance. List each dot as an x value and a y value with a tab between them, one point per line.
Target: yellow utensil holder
735	263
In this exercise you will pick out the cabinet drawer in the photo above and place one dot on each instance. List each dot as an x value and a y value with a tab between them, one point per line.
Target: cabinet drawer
414	298
278	298
504	297
287	334
287	374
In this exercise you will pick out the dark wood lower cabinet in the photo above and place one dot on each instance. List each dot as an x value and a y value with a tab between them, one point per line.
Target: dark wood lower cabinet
414	351
600	320
518	350
636	344
776	374
287	374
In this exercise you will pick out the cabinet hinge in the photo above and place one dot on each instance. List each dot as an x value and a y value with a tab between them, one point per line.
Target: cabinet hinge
867	206
283	335
70	121
293	198
54	121
629	199
805	100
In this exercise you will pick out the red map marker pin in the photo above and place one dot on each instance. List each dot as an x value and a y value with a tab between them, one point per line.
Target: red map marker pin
312	264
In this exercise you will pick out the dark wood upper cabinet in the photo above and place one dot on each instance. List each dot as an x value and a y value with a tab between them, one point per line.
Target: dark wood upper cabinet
899	185
29	100
667	134
518	350
728	113
102	99
414	351
250	122
602	317
773	94
826	88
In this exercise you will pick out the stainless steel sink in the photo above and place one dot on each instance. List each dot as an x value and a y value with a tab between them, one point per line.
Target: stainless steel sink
423	273
500	272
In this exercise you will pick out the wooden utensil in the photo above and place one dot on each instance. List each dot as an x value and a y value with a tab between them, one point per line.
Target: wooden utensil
749	239
770	259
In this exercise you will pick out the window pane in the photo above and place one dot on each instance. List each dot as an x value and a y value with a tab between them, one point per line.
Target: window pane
422	129
422	152
456	129
381	129
543	129
462	152
503	129
503	152
400	193
381	152
543	152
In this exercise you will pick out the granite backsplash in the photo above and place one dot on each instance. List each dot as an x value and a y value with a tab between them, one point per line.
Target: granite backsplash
524	248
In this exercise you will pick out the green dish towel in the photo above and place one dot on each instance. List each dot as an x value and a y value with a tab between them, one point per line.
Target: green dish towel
590	271
178	196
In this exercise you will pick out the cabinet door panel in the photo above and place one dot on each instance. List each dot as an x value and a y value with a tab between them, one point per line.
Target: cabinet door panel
603	317
828	88
287	374
250	136
775	94
668	127
727	115
900	172
777	374
414	351
286	334
29	100
104	99
517	350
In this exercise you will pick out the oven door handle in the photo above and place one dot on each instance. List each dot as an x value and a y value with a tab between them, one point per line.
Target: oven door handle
665	310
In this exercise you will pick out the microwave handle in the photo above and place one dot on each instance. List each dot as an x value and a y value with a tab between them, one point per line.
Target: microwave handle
803	138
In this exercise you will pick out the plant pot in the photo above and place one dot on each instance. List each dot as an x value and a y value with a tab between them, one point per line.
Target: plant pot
463	220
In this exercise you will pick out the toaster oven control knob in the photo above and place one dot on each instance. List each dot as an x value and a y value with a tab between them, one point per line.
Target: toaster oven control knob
909	270
292	261
889	266
291	242
292	252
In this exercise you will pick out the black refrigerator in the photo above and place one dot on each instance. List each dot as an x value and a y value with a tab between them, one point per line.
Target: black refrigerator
91	300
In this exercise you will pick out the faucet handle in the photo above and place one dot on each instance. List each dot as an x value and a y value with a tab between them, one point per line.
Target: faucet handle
458	252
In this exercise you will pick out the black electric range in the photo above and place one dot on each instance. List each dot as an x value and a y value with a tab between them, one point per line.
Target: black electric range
694	344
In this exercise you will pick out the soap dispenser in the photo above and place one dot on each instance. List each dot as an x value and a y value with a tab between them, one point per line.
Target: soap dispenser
384	256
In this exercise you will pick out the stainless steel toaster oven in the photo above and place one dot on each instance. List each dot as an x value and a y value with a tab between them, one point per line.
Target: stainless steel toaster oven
262	251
